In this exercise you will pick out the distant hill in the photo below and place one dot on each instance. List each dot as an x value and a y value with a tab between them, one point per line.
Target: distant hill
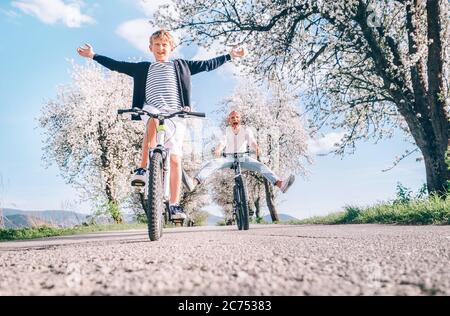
18	218
22	221
53	218
282	217
213	219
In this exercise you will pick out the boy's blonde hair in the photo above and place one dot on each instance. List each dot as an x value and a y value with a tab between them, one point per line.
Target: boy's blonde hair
163	34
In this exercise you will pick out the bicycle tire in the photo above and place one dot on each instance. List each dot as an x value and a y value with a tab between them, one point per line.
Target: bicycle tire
243	205
155	203
236	208
143	201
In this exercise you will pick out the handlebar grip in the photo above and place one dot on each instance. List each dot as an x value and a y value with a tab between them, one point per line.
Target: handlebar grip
125	111
198	114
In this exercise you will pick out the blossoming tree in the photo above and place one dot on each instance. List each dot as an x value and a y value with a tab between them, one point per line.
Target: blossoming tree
93	148
367	67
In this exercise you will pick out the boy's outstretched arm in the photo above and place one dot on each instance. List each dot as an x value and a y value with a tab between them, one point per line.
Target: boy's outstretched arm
87	51
238	52
196	66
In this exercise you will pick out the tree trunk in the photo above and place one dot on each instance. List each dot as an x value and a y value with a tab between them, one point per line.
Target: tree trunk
437	171
270	201
113	205
258	207
423	108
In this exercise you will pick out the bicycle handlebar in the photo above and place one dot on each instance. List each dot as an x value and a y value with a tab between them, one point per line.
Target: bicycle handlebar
239	154
165	115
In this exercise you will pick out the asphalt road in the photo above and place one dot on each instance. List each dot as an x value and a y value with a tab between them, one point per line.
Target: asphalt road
265	260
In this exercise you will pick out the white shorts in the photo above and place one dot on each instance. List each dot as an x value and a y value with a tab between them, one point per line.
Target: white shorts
175	130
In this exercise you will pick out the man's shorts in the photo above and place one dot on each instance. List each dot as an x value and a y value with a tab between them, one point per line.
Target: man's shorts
175	130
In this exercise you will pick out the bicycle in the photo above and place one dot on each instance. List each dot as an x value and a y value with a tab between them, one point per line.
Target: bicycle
240	197
157	190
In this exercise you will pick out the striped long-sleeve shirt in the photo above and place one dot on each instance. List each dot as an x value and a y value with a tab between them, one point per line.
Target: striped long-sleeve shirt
161	89
139	71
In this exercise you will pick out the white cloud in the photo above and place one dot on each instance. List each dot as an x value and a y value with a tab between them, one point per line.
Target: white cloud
150	6
53	11
9	13
325	144
138	32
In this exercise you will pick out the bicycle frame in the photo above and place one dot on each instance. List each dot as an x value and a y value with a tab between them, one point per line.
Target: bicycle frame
240	199
160	141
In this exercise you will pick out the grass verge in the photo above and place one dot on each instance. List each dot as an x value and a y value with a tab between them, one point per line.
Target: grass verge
430	211
46	231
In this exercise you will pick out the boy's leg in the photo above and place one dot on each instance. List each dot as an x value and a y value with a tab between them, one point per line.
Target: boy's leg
149	141
139	179
175	130
175	179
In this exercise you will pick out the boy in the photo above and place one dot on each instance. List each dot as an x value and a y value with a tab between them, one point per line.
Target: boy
236	140
162	86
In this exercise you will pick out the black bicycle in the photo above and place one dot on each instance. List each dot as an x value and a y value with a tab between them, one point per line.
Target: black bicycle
155	198
240	197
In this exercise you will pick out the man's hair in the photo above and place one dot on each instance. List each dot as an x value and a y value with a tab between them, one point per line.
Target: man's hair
163	34
234	111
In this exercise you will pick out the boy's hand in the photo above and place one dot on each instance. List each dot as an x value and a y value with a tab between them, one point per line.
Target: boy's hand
187	109
86	51
238	52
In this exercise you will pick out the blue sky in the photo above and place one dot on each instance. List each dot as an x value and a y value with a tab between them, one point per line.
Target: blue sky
38	39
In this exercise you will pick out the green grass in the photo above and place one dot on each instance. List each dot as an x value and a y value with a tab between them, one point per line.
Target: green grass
430	211
45	231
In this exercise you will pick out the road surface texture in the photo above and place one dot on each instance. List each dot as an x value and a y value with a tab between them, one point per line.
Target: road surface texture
265	260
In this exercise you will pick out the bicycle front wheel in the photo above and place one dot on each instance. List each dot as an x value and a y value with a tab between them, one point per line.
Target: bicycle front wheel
242	205
155	203
236	212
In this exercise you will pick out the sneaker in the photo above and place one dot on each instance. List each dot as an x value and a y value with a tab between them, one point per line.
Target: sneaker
287	183
177	212
139	178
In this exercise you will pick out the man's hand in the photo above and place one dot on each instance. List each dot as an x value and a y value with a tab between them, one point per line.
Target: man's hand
218	152
86	51
238	52
187	109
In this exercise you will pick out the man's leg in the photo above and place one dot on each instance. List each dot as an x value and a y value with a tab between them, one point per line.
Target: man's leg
211	167
252	164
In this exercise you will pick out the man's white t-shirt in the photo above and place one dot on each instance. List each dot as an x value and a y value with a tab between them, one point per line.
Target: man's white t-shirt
237	143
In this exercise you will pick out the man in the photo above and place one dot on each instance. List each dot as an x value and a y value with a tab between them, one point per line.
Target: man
235	140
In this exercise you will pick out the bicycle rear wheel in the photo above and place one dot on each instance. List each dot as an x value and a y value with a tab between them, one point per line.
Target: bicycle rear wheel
242	205
155	203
